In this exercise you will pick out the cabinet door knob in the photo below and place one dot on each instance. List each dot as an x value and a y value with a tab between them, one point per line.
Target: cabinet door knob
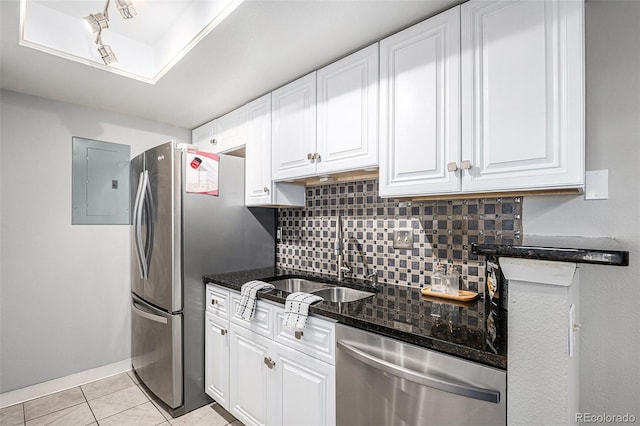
309	156
298	334
465	165
452	167
316	156
265	189
213	141
223	331
214	302
269	362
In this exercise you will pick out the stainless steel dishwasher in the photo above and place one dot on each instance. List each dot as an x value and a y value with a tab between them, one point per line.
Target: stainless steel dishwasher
381	381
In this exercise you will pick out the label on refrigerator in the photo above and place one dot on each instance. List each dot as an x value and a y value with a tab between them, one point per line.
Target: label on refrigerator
201	172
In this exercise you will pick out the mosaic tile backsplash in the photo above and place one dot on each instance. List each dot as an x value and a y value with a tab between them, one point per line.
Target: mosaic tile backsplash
443	232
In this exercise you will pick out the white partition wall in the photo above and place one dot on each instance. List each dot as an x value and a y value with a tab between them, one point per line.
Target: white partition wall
542	347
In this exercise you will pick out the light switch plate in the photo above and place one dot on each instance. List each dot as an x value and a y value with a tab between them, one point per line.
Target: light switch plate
597	185
403	238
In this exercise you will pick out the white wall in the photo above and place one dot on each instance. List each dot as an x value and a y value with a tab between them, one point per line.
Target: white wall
64	290
609	296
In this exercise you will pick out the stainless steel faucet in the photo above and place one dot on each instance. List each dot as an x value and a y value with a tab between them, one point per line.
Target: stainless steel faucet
372	278
343	267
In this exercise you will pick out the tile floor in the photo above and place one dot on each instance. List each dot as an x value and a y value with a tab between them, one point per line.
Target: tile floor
117	400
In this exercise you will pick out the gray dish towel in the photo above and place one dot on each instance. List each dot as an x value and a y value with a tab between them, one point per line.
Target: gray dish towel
250	289
296	309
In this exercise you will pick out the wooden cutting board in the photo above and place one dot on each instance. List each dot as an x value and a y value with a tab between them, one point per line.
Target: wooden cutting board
463	296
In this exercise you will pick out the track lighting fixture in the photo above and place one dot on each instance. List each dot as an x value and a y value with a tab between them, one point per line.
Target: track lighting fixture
97	21
127	11
107	54
100	21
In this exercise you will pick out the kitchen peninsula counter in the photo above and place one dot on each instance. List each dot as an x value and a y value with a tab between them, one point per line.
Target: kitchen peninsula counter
465	330
596	251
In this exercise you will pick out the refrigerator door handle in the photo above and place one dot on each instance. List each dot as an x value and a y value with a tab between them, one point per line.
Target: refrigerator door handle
148	206
147	315
136	224
142	247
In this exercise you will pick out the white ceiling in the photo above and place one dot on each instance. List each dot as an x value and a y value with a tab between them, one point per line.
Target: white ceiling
262	45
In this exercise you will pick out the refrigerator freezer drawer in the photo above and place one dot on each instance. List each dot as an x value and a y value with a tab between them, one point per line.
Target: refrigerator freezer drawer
156	350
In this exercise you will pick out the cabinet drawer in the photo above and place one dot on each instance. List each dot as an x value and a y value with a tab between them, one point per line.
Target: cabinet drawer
262	322
317	339
218	301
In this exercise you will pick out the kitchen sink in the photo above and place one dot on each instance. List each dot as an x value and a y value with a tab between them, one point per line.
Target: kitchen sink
328	292
342	294
292	285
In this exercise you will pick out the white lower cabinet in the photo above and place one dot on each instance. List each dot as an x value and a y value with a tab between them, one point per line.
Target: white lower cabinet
272	384
265	374
303	389
249	376
216	352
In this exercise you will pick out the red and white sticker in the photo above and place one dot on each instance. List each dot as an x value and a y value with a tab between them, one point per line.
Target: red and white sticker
201	172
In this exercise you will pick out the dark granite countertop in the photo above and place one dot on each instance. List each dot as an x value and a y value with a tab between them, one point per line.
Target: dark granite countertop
466	330
598	251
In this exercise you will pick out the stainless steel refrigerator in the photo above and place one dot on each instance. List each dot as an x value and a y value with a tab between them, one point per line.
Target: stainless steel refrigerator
178	237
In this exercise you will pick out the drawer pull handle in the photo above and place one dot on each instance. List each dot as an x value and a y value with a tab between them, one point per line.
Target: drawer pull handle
299	334
214	302
269	362
213	141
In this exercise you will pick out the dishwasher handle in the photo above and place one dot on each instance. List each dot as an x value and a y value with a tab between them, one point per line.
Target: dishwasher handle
450	386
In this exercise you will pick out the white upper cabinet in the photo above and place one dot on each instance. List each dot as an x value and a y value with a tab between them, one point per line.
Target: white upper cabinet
338	132
229	131
258	152
522	95
202	136
347	108
294	128
420	107
260	190
518	68
225	134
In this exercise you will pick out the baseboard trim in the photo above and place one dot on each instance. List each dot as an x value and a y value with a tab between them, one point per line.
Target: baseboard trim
71	381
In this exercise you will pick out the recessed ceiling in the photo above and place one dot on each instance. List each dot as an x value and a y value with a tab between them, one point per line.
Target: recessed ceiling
259	47
147	45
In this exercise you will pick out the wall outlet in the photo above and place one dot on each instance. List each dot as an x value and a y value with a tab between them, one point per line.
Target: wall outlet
403	239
